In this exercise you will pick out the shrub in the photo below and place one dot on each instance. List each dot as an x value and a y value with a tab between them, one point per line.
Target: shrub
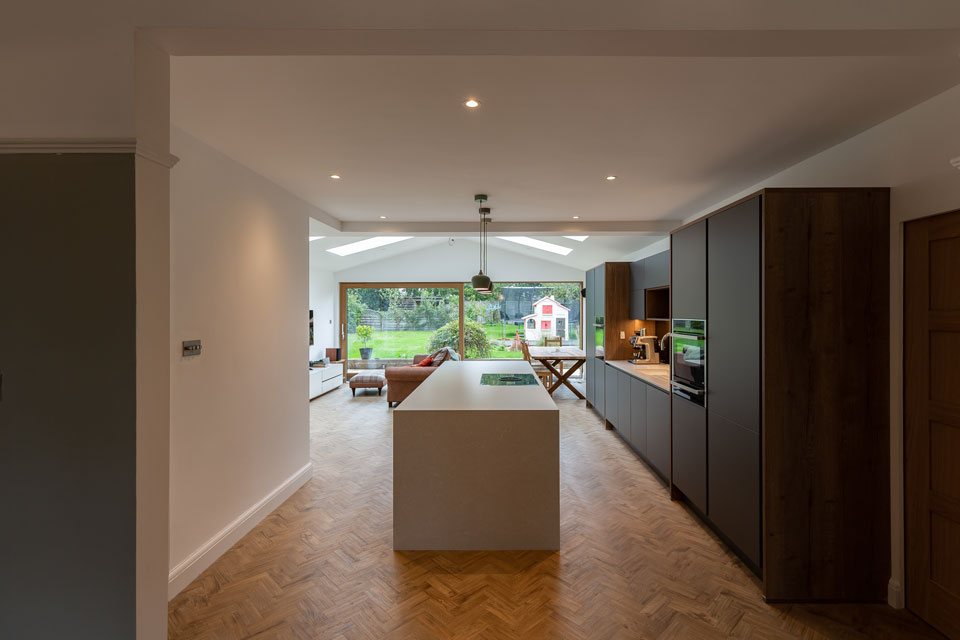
475	340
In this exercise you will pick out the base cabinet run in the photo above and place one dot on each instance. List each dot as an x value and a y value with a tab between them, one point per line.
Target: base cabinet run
640	413
658	430
690	451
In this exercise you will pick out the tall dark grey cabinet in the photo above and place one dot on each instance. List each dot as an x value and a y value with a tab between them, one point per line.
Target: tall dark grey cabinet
733	375
688	252
608	301
789	459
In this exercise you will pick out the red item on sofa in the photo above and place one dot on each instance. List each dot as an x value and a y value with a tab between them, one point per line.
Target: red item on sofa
426	362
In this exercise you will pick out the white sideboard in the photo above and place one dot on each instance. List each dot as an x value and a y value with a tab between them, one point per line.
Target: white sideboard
325	379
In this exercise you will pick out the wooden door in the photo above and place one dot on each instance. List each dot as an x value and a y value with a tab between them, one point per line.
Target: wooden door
932	419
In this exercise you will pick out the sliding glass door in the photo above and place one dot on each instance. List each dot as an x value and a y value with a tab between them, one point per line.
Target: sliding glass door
387	324
537	312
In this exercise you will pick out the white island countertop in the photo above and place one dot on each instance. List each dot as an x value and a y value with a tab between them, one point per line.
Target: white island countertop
455	386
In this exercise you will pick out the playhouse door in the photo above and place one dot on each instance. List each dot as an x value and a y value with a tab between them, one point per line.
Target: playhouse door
562	328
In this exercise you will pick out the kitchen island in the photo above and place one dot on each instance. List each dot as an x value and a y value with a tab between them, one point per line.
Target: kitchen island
476	466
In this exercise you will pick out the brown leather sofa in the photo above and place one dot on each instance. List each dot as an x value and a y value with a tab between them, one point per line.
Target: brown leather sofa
401	381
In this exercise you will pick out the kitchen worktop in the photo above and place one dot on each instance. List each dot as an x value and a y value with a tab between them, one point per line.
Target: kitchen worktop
656	374
455	386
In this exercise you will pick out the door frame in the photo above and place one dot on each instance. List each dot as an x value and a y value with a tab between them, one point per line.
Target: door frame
342	338
915	365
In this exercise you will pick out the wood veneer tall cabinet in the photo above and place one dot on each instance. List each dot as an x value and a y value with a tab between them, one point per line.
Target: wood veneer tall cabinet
608	306
797	406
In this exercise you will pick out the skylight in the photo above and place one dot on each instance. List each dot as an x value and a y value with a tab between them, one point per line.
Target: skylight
577	238
537	244
312	238
366	245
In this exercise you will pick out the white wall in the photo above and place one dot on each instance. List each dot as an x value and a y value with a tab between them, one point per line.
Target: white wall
323	302
910	153
441	262
239	433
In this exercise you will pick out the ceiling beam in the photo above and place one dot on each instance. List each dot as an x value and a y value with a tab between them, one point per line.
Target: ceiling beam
570	42
458	228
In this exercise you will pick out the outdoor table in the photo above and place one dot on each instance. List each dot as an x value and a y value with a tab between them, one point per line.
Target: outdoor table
553	357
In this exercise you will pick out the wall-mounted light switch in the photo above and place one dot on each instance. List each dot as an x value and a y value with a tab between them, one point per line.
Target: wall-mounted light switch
622	335
191	348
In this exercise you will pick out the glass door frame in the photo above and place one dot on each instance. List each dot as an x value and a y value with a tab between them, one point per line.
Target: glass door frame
344	286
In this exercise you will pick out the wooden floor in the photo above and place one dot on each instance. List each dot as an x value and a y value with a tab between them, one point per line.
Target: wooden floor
633	564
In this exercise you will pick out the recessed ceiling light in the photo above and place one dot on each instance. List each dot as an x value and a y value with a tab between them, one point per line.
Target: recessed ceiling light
538	244
366	245
334	176
383	217
577	238
611	177
312	238
471	103
576	217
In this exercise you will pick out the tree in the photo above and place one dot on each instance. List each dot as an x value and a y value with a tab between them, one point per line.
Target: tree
475	341
354	310
365	333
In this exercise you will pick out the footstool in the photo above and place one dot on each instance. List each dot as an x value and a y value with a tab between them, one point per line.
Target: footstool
373	379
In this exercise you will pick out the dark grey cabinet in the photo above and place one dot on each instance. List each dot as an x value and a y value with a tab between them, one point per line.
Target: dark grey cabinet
590	338
656	270
688	255
690	451
588	313
658	430
649	273
733	320
734	480
624	425
638	415
637	288
733	375
599	300
599	388
610	403
588	366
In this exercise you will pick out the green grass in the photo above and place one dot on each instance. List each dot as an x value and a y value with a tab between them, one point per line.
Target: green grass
406	344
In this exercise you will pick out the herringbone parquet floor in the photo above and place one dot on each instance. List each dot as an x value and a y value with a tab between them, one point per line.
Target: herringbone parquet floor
633	564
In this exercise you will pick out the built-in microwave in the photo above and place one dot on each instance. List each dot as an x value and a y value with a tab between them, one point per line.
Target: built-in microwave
688	362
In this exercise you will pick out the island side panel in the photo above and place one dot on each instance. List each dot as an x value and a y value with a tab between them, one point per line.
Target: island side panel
476	480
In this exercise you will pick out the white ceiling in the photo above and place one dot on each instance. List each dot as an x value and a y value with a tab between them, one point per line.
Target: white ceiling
586	254
680	133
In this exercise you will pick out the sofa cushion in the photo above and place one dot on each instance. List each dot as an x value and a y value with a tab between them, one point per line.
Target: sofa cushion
443	354
426	362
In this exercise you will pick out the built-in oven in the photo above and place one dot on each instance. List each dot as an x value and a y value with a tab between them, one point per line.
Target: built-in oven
688	364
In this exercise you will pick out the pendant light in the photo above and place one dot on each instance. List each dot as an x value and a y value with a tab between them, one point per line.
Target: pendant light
481	282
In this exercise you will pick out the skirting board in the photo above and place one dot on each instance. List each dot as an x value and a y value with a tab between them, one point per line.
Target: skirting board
195	563
895	594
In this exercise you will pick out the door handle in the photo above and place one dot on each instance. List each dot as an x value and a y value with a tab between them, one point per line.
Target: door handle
683	387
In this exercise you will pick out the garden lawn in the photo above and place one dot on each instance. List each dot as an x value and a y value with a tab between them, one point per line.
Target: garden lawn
406	344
